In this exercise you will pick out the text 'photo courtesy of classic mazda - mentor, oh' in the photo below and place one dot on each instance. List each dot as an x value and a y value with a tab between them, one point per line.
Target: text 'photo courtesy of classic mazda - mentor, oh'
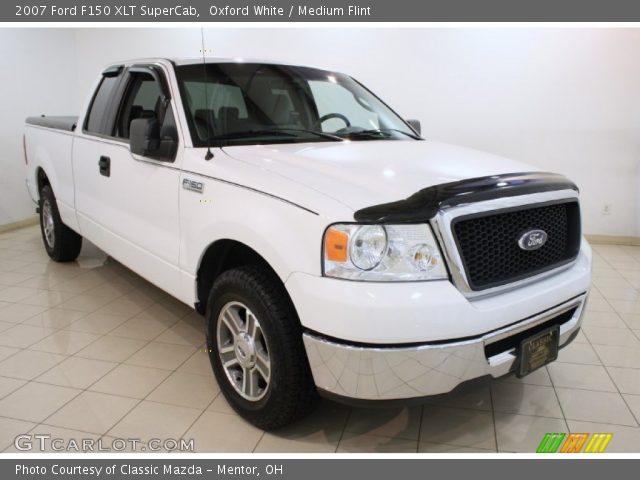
331	248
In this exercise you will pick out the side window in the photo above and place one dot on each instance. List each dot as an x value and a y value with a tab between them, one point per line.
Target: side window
143	99
100	104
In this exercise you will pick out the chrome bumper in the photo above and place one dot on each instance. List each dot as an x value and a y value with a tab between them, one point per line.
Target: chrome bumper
373	373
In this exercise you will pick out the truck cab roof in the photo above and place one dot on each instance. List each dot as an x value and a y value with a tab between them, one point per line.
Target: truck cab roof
179	61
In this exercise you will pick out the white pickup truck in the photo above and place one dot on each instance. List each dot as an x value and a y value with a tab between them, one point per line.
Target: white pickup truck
330	247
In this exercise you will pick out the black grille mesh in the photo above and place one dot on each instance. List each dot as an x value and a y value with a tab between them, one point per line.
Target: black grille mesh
488	242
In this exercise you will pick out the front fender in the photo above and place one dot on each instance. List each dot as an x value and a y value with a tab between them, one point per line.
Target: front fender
288	237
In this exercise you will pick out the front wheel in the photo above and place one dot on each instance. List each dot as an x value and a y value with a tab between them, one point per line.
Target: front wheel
61	243
255	346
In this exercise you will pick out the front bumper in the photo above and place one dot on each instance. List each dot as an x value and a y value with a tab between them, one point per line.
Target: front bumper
379	373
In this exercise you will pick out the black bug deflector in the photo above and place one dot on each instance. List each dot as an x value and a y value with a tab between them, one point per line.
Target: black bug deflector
424	204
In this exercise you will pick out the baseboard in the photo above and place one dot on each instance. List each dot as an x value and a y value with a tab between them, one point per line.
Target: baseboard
613	240
27	222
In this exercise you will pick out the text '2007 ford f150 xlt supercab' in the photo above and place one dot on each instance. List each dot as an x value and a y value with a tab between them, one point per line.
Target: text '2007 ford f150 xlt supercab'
330	247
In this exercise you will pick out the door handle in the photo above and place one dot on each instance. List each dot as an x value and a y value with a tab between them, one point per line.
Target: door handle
105	166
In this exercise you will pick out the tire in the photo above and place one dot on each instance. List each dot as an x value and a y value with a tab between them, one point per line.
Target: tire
289	393
61	243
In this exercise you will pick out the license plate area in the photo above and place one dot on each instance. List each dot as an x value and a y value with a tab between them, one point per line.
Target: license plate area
538	350
512	343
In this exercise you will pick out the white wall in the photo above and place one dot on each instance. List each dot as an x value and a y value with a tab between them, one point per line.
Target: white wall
37	75
566	100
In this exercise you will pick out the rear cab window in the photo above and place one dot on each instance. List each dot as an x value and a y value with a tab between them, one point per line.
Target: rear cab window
101	104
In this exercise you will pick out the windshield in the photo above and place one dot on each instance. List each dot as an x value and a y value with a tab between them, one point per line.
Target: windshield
248	103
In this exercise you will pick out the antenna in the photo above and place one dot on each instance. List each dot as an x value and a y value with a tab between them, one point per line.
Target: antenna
209	154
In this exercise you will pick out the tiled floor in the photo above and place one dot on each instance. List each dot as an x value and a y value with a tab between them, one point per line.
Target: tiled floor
90	350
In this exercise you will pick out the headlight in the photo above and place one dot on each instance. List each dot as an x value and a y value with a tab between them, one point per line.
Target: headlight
368	246
382	253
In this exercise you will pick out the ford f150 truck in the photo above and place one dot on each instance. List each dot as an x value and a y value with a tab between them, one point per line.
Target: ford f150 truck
331	248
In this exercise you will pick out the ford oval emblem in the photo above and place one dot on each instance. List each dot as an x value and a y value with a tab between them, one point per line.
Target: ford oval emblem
532	240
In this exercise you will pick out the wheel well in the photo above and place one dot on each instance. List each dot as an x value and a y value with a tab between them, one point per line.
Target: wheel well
221	256
42	179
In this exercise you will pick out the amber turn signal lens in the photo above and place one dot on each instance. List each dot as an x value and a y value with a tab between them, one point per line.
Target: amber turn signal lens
335	245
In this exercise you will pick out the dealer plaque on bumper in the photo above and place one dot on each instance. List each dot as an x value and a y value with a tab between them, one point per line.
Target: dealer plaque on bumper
538	350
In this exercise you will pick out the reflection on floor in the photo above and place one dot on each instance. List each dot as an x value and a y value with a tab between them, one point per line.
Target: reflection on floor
90	350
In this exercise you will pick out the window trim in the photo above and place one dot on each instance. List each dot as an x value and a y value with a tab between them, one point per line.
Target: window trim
112	71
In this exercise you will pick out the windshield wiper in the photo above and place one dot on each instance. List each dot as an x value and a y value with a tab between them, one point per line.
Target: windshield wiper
381	132
283	132
315	132
251	133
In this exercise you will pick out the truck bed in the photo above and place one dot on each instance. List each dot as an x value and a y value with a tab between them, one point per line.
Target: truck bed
66	123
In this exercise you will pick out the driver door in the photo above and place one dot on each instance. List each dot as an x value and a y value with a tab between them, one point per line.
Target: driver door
128	204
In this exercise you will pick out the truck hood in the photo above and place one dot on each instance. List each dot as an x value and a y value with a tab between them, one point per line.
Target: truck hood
364	173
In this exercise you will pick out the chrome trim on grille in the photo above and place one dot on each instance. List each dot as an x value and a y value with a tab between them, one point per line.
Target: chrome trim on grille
441	225
392	373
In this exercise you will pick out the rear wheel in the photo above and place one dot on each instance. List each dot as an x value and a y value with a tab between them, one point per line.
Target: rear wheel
61	243
255	346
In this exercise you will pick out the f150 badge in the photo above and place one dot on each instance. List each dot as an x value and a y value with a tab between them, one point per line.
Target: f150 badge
192	185
532	240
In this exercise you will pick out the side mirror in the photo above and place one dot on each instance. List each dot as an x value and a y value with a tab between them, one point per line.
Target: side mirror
149	140
144	136
415	124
